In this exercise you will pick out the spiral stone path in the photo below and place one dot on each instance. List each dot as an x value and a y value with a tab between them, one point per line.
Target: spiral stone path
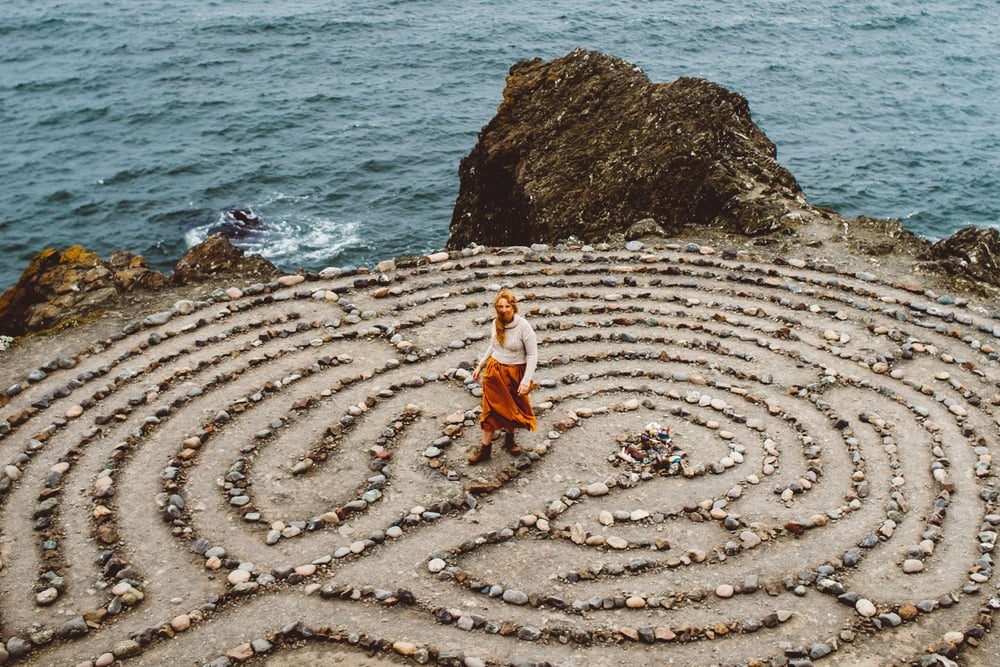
276	474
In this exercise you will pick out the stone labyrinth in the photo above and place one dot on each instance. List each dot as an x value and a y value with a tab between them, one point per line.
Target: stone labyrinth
280	471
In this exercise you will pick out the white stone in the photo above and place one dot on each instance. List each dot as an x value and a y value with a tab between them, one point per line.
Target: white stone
239	577
597	489
865	607
616	542
291	280
954	637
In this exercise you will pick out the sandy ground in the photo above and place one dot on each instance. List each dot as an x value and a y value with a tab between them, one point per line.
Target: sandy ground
837	416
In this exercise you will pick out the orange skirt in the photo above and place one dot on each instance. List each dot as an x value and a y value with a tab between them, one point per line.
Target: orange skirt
502	407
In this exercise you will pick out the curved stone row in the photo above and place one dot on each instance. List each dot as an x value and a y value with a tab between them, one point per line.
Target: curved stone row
307	438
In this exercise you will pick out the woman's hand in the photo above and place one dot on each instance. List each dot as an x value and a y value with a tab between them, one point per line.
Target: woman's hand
475	374
523	389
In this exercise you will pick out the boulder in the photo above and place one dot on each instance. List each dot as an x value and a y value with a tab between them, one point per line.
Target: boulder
971	253
216	257
62	285
587	146
58	285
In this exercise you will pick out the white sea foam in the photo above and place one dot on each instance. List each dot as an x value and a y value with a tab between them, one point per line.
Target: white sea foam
305	242
290	243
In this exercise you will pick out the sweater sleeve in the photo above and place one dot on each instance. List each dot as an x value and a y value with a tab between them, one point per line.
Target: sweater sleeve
530	353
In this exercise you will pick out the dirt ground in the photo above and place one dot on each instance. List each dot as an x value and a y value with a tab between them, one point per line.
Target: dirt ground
281	478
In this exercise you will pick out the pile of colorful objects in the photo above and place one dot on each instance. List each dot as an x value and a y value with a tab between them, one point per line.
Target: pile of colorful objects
652	449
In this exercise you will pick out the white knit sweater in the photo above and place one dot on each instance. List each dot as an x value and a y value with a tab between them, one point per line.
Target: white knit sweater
520	347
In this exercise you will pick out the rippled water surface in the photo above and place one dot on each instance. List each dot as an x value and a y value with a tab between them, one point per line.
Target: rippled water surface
139	125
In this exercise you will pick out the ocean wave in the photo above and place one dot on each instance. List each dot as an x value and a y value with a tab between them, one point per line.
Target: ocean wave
290	243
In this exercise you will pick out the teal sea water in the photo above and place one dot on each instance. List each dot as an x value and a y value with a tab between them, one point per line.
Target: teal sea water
138	125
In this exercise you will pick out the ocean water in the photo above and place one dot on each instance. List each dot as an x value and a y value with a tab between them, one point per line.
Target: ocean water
138	125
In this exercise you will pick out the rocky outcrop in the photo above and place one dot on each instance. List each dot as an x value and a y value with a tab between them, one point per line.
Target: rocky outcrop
587	146
64	284
970	253
215	257
61	285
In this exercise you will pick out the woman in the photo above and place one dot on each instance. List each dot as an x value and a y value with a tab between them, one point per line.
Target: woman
506	371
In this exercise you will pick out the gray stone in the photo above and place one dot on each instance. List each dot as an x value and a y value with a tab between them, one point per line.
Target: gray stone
64	362
200	546
156	319
74	627
126	649
819	650
512	596
42	636
47	597
891	618
261	646
451	656
18	648
45	508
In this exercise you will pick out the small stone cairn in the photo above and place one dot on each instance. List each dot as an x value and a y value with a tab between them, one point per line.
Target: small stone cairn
650	450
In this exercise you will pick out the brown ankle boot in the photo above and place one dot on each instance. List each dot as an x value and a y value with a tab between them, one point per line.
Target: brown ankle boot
510	445
482	454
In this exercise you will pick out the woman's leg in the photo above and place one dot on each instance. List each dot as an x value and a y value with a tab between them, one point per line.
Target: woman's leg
510	444
485	449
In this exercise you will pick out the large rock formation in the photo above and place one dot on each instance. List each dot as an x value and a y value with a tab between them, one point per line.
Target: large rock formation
970	253
64	284
61	285
586	146
215	257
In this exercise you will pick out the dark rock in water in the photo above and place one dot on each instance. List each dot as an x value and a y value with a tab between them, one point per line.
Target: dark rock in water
215	257
587	146
247	217
59	285
970	252
240	223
